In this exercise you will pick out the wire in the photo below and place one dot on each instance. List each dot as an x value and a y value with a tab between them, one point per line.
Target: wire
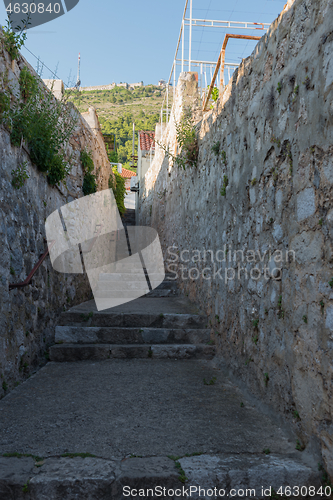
44	66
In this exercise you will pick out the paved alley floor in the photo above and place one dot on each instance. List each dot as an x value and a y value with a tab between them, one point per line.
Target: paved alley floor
145	407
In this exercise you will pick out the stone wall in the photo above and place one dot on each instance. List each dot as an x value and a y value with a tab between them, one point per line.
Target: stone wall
273	122
28	316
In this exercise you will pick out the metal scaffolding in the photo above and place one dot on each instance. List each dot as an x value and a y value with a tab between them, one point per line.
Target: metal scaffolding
205	68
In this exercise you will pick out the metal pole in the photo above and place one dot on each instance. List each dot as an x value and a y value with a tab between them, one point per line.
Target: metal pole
183	42
133	145
167	106
180	35
190	41
174	78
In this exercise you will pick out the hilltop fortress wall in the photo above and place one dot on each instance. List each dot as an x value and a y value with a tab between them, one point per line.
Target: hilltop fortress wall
248	231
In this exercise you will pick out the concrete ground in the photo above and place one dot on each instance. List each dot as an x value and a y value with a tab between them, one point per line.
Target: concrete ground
130	200
144	407
141	423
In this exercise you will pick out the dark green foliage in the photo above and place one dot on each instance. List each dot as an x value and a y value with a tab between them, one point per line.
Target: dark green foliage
210	382
299	446
20	175
118	187
89	181
4	104
280	308
123	128
89	184
224	186
255	322
224	157
113	157
87	161
28	84
216	148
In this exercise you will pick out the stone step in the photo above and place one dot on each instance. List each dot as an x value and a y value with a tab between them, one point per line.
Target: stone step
116	335
162	293
235	476
175	321
130	276
123	285
121	294
134	284
98	352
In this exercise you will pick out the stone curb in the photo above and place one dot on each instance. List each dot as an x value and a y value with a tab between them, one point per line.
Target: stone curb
64	478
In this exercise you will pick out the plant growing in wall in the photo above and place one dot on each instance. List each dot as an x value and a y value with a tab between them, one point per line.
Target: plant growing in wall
224	185
280	309
20	175
45	124
187	141
89	180
28	84
224	157
216	148
4	105
87	161
12	40
117	185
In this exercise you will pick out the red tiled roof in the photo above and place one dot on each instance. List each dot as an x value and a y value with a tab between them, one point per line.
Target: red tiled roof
146	140
127	174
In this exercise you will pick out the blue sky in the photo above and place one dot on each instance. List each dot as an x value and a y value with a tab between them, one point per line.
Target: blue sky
131	40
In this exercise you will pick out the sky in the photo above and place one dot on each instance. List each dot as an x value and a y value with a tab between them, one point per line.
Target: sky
131	41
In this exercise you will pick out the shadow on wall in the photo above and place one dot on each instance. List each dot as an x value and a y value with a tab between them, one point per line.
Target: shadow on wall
248	232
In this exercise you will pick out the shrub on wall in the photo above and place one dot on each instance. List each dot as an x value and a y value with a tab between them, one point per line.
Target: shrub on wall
45	124
89	184
119	190
89	181
12	40
4	105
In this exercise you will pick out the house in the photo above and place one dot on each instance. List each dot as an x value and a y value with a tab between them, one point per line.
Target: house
127	174
146	152
56	87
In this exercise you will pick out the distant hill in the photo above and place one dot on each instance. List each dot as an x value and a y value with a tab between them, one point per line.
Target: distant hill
118	108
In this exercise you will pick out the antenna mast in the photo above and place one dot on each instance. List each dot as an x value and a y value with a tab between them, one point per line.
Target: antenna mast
78	81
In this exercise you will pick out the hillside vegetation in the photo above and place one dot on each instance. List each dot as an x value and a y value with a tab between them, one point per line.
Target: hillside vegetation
118	108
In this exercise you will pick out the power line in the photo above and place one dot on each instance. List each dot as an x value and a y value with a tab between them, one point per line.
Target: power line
44	65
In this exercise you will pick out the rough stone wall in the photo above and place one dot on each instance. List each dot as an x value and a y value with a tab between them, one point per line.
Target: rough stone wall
274	123
28	316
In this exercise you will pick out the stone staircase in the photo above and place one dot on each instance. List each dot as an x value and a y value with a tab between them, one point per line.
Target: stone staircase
83	333
128	218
